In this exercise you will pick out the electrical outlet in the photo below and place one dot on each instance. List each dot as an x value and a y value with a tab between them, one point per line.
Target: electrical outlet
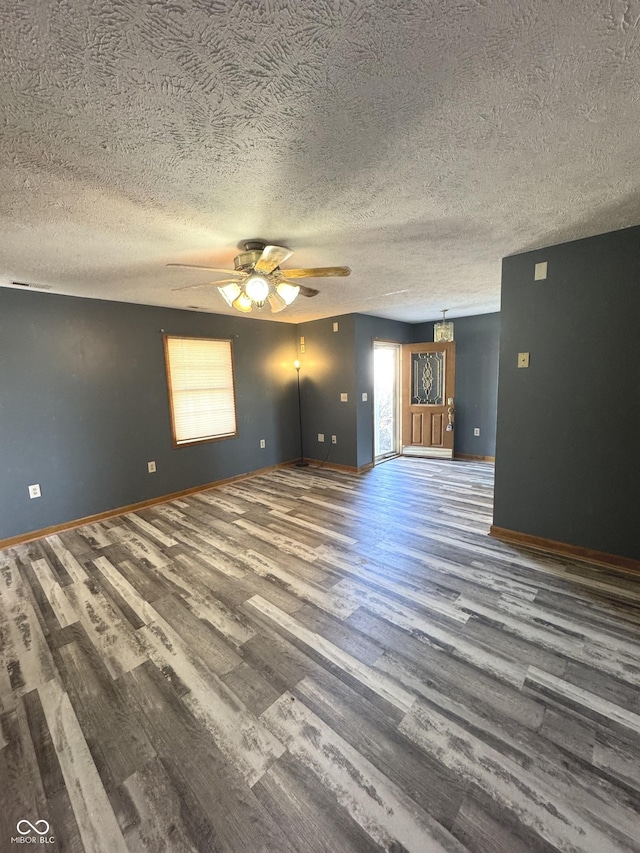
476	430
263	443
334	439
151	467
34	491
320	436
365	397
344	398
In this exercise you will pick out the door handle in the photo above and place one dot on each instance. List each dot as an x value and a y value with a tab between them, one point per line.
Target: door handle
450	411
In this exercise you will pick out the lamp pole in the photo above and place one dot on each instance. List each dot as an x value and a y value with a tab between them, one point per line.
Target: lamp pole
300	463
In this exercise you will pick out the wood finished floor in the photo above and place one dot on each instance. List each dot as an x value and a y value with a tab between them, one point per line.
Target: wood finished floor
314	662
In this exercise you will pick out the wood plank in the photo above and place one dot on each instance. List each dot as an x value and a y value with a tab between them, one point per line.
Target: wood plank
368	730
248	746
96	820
386	812
379	683
104	713
218	807
59	811
513	788
311	817
19	791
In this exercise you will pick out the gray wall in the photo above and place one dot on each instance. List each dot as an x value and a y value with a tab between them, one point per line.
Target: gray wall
477	350
83	405
327	370
567	461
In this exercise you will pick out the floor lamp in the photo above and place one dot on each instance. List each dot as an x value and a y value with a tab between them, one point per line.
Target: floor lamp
300	463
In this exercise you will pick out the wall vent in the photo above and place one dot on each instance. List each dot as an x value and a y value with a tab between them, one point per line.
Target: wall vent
31	285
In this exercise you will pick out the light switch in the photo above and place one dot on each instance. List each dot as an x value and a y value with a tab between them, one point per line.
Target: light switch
344	398
523	359
540	272
335	327
365	397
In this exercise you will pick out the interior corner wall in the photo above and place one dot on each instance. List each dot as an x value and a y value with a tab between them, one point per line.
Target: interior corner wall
327	371
84	406
567	461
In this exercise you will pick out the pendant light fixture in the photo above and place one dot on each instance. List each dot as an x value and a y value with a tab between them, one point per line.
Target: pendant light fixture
443	329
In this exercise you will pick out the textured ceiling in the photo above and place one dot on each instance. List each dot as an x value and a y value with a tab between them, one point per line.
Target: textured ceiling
417	142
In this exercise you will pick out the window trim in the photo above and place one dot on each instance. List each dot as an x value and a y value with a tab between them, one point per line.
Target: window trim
191	442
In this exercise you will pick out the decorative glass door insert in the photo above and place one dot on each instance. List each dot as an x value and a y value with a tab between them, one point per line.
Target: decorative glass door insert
427	378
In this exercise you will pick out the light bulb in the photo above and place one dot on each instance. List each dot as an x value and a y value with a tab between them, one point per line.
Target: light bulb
230	292
257	289
287	291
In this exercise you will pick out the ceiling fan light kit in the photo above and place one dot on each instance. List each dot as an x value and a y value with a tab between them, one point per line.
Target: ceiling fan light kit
288	292
243	303
257	289
230	292
257	278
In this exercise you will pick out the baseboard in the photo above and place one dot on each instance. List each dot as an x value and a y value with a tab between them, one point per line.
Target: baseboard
427	452
122	510
336	466
576	552
470	457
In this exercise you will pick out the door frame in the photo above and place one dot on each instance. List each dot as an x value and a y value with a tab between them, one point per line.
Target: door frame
397	346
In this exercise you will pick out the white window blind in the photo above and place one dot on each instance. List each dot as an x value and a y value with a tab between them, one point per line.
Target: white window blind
201	389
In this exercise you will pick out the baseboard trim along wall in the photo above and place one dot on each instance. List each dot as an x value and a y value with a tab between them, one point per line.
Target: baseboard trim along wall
574	551
470	457
336	466
112	513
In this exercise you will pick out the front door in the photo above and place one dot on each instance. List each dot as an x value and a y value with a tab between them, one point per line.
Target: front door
428	392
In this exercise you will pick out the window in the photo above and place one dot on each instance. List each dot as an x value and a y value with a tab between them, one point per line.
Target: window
201	389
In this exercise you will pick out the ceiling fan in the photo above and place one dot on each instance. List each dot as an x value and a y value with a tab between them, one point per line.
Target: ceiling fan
257	278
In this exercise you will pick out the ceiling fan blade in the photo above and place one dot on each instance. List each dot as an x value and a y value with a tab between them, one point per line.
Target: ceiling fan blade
217	283
308	291
236	273
272	257
303	291
317	272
